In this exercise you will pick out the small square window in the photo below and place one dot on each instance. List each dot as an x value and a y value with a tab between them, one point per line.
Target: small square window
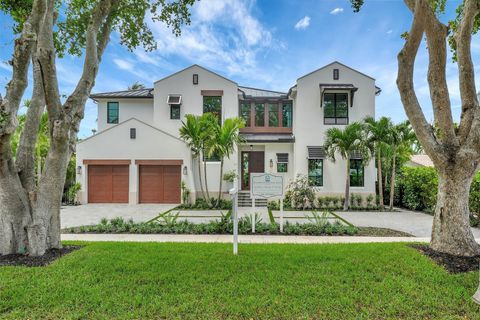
195	78
112	112
336	74
174	111
282	167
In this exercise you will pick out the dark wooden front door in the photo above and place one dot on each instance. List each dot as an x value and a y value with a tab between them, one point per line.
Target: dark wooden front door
252	161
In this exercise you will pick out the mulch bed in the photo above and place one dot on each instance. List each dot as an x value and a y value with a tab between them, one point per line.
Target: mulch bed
453	264
380	232
28	261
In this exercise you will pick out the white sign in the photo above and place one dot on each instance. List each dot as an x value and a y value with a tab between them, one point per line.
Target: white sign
265	185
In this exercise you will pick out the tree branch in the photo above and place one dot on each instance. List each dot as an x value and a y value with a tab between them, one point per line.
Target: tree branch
468	92
25	159
406	61
436	34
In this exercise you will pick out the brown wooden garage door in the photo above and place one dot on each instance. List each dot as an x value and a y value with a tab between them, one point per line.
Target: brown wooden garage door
160	183
108	183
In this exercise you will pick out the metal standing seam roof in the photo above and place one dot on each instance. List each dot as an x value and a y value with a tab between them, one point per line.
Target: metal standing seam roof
273	137
249	92
139	93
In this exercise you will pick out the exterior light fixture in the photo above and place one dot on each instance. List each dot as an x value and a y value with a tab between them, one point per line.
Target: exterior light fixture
79	170
185	170
271	163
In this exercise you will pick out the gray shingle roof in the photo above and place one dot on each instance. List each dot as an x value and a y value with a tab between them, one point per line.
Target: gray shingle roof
249	92
139	93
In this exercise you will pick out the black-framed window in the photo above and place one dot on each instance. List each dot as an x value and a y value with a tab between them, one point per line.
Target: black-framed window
287	115
112	112
335	108
336	74
245	113
357	173
315	172
213	105
259	115
174	111
282	167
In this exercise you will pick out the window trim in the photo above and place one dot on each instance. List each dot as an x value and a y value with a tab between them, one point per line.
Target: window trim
335	109
357	169
179	96
308	173
109	103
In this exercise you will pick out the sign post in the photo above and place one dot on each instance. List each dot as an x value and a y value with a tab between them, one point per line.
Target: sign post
266	186
234	194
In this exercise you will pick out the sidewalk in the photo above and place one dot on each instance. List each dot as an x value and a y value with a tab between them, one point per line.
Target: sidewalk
242	238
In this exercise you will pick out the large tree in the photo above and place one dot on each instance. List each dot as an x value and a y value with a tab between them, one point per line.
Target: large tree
46	29
455	152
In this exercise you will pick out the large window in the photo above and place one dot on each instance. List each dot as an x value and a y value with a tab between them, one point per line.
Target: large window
335	107
245	113
273	115
112	112
315	172
213	105
356	173
287	115
174	111
259	115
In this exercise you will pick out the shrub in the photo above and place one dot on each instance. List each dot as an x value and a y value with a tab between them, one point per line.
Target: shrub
185	193
229	176
72	193
418	188
201	204
301	194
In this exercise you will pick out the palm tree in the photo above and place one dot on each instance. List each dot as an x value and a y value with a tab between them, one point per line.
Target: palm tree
402	137
345	142
207	123
136	86
191	133
379	133
227	139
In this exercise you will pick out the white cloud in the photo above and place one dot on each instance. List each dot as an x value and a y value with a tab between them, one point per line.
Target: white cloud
336	11
303	23
389	31
123	64
5	66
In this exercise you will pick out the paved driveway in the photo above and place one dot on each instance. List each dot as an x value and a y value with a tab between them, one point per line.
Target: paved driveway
416	223
89	214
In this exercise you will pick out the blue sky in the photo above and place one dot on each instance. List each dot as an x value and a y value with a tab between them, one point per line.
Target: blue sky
266	44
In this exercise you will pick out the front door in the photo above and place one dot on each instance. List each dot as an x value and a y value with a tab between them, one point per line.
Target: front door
252	161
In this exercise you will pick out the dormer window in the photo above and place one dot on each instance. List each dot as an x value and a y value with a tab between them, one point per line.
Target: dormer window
174	101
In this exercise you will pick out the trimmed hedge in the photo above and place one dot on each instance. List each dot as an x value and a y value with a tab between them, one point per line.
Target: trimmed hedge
417	189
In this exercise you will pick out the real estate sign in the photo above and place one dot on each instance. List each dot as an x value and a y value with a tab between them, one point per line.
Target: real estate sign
265	185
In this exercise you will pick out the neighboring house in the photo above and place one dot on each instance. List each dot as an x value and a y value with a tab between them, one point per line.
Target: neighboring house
138	157
420	160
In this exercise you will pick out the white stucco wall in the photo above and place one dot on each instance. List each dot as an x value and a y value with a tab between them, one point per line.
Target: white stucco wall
115	144
141	109
310	130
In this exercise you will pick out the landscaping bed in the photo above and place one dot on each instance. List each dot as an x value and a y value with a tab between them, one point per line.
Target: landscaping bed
28	261
205	281
453	264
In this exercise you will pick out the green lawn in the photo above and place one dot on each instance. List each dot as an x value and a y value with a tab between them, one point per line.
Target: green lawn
133	280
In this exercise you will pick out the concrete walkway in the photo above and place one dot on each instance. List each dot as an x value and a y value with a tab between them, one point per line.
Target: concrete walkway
224	238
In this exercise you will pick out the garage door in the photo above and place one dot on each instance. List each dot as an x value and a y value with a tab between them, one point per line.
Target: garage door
160	184
108	183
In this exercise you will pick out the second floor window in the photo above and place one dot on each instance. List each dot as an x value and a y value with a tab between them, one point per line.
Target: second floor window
356	173
335	107
259	115
245	113
112	112
213	105
287	115
273	115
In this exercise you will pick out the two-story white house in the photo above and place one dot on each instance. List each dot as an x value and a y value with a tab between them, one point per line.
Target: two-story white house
137	155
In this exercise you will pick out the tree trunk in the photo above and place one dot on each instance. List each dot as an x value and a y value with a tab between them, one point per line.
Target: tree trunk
451	231
200	178
380	186
347	187
221	180
206	182
392	179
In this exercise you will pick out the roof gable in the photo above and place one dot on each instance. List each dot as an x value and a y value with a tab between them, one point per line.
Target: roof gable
340	64
195	66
